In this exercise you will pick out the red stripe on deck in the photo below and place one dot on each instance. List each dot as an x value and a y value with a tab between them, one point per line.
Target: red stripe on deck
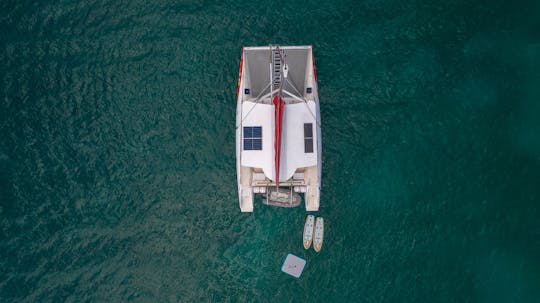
278	116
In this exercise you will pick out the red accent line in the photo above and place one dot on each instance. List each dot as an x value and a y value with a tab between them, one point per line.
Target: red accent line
278	116
313	63
240	73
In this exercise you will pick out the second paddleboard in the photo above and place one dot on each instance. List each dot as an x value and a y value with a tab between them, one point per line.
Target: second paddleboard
319	234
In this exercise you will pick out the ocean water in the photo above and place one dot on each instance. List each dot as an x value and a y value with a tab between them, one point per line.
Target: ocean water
117	158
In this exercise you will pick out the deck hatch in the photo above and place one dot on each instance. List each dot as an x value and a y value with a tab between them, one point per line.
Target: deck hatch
252	137
308	137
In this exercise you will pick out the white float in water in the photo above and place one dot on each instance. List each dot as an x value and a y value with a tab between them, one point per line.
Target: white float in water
293	265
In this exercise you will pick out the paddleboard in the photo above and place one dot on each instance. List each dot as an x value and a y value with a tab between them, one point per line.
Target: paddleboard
308	231
319	234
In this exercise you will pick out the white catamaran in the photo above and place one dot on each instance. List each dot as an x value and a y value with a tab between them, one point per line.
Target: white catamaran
278	127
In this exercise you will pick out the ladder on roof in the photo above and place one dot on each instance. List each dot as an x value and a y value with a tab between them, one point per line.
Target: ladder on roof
276	63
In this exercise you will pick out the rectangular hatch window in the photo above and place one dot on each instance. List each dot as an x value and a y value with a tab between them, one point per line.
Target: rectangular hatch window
252	137
308	137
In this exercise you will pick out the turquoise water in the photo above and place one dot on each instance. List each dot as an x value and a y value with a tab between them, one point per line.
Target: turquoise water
117	164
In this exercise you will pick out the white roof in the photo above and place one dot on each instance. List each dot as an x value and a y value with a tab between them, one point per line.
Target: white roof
292	144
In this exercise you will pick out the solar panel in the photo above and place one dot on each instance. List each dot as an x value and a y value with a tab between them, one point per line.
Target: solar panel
257	144
248	132
308	145
257	132
308	137
252	137
248	144
308	130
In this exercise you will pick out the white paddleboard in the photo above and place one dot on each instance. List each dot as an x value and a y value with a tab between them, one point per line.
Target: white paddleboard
319	234
308	231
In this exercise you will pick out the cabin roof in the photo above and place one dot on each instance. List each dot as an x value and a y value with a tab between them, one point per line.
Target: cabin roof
297	117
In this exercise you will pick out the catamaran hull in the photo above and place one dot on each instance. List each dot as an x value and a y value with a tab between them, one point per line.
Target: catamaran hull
278	150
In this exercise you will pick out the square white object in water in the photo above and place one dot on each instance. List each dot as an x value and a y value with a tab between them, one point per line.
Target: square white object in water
293	265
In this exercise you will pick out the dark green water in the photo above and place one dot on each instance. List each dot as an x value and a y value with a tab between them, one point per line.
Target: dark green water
117	165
